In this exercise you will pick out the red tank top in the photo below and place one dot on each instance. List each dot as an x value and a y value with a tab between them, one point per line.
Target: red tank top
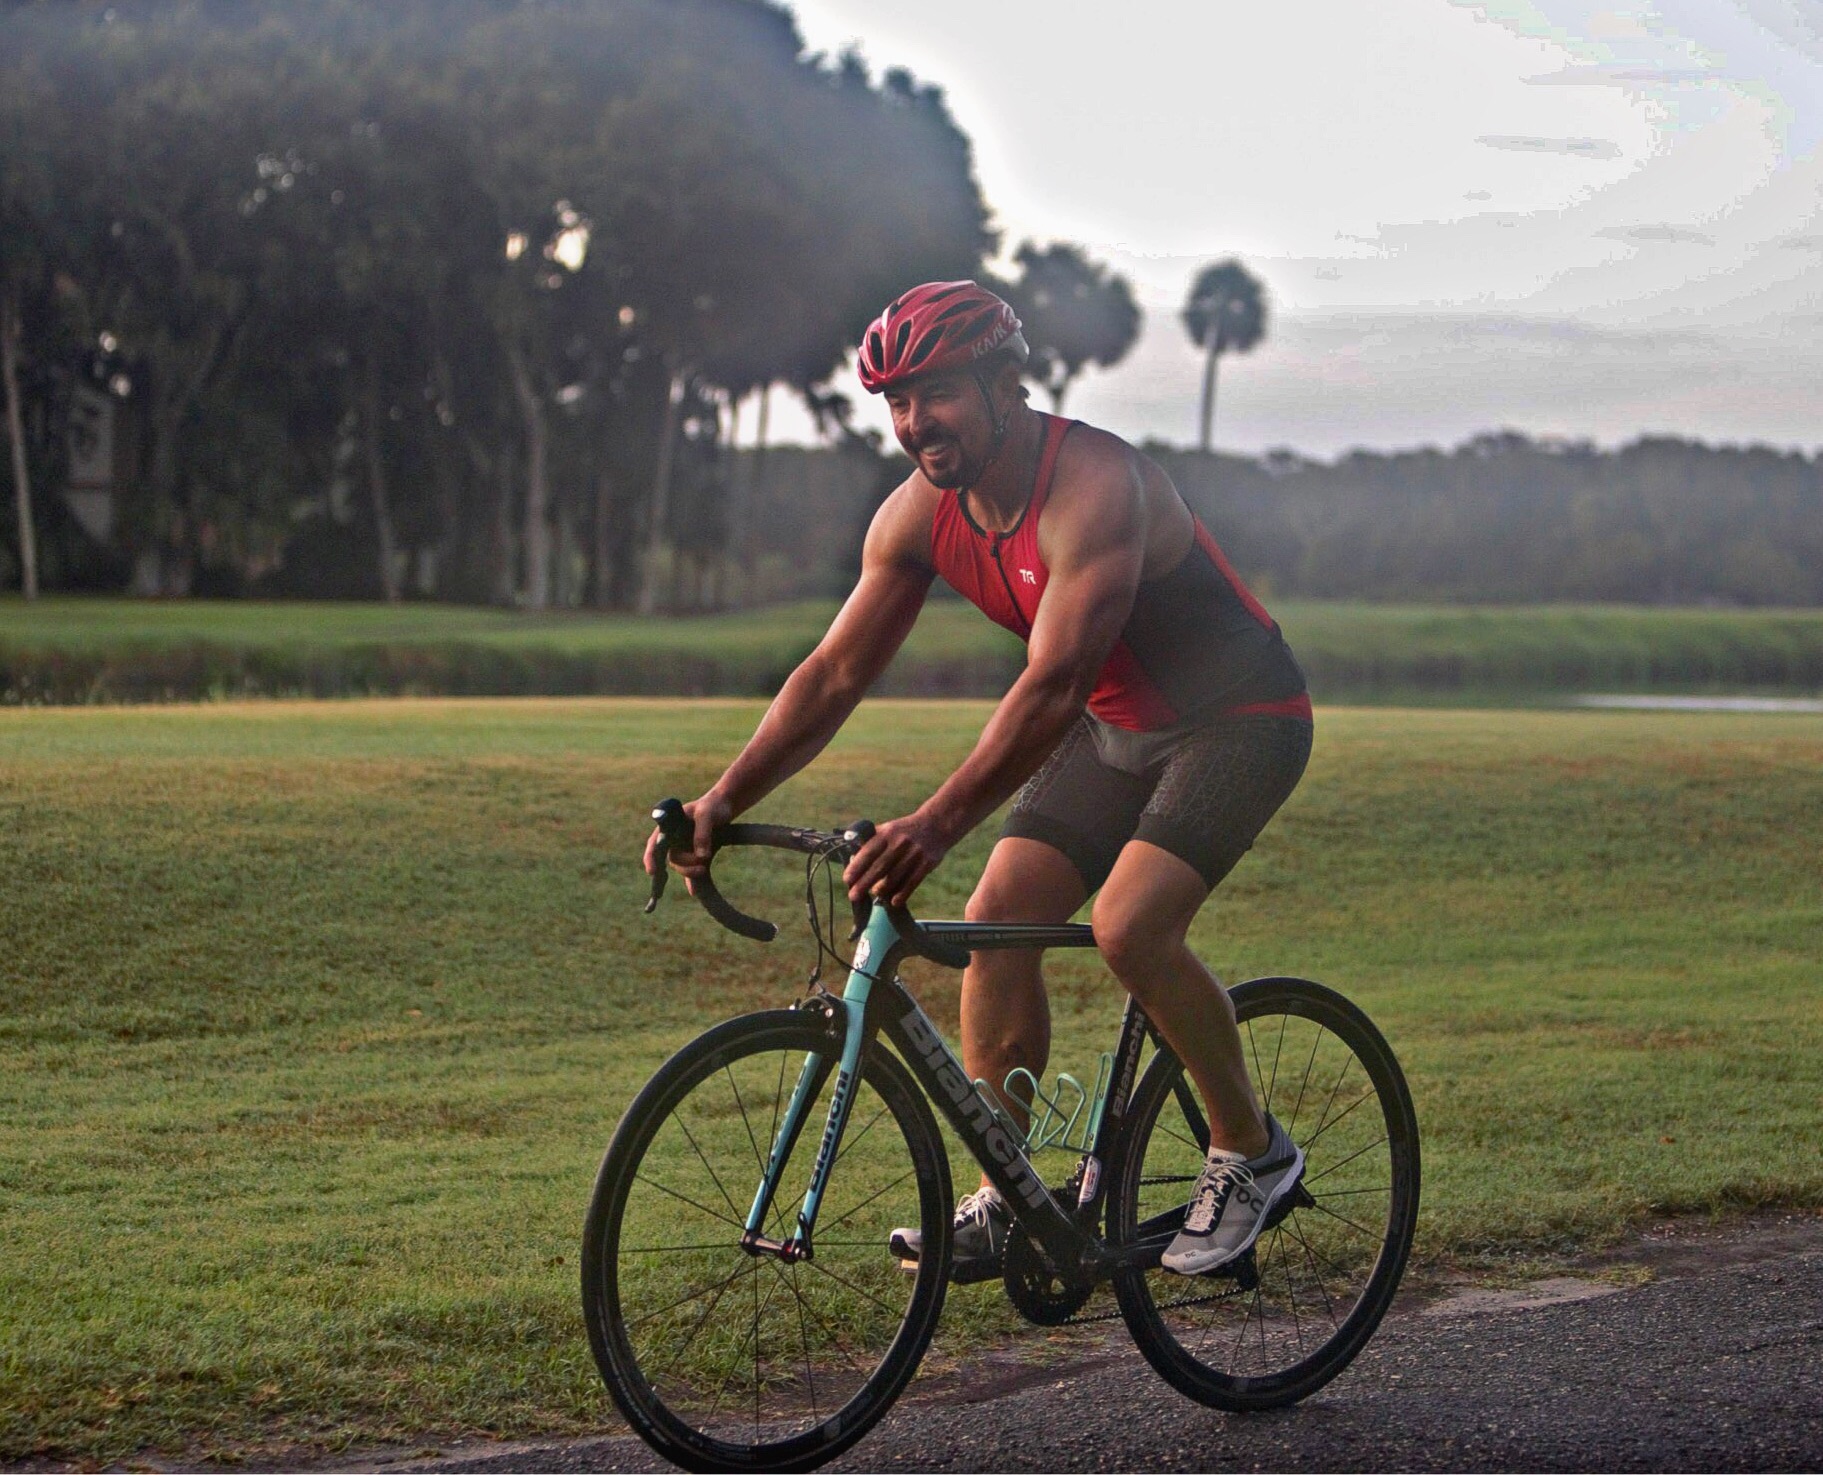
1196	645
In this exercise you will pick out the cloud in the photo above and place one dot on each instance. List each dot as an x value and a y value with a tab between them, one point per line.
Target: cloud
1677	234
1803	243
1577	148
1618	76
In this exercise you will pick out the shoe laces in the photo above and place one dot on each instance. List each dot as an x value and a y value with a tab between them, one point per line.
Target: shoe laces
978	1207
1219	1178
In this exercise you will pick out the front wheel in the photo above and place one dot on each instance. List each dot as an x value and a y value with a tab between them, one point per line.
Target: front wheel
725	1360
1293	1312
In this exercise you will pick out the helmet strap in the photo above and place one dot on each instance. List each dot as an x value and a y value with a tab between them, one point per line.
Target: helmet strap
1001	422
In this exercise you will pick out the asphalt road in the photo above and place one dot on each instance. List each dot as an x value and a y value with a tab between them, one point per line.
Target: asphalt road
1716	1364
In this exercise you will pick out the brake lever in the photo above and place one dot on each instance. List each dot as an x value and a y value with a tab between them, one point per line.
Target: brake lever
857	835
673	825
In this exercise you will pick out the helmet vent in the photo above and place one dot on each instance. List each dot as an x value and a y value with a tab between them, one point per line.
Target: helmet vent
980	328
927	345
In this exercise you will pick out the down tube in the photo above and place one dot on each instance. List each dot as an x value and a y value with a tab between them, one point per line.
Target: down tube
997	1150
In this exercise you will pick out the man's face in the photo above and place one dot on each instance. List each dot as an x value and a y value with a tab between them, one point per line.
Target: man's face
941	421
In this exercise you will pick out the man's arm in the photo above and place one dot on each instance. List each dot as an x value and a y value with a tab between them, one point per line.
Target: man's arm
818	697
1093	540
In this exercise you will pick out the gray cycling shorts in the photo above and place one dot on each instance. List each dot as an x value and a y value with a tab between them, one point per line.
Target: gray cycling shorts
1203	791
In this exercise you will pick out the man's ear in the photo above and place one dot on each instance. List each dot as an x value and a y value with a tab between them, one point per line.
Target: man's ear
1008	383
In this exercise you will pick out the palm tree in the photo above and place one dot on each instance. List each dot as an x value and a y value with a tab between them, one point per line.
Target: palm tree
1075	312
1225	313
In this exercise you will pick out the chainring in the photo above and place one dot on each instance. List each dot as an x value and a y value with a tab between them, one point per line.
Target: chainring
1039	1293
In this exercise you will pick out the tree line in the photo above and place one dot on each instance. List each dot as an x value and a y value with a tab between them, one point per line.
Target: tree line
458	298
1504	517
1499	518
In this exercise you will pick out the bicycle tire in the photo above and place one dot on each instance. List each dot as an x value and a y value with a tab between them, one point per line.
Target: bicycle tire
1323	1273
801	1359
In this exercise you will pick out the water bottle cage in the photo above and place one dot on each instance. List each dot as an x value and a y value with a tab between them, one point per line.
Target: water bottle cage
1052	1126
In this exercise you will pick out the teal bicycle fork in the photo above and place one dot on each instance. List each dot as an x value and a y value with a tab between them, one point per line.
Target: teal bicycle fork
881	943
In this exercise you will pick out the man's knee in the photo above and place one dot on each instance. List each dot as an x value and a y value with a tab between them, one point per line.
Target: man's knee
1135	944
1025	882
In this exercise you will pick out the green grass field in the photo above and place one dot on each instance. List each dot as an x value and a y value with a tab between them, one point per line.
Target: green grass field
318	1017
80	650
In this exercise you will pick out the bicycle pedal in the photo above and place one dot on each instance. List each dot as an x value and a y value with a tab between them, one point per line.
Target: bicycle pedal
973	1272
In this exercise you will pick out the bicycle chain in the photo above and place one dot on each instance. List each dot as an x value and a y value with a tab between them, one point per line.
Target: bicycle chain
1117	1314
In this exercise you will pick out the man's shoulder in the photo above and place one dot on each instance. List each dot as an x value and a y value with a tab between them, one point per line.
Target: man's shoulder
901	526
1094	460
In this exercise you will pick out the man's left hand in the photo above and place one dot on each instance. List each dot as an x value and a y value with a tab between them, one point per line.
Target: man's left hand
901	854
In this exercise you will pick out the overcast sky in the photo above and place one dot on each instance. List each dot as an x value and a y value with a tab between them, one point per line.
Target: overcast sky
1568	217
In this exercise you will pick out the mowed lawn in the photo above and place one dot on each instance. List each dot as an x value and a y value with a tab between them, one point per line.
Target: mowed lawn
318	1017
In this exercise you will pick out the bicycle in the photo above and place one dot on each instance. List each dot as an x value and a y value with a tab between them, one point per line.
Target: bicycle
772	1332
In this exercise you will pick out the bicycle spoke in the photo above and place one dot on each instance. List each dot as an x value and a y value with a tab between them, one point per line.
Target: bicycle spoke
1341	1076
1315	1275
684	1198
734	1363
1341	1219
1193	1114
849	1285
848	1145
688	1296
779	1222
1278	1050
836	1339
1341	1271
759	1158
701	1320
690	1137
1291	1290
1188	1142
810	1372
1339	1117
1297	1106
909	1172
1317	1177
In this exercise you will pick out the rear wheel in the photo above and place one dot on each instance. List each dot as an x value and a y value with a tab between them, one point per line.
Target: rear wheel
721	1359
1291	1314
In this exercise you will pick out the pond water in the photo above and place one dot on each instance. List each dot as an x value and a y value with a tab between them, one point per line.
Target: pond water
1702	704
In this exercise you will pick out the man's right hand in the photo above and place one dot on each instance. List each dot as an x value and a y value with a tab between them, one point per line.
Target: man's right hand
707	814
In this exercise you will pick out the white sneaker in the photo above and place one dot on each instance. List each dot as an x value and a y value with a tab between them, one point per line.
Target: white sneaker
1231	1201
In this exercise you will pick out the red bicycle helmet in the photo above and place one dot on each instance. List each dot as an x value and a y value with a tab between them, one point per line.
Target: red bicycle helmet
940	325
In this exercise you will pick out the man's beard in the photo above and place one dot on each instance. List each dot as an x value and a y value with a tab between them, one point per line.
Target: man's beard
960	471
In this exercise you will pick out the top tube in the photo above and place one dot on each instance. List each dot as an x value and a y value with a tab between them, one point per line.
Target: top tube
989	936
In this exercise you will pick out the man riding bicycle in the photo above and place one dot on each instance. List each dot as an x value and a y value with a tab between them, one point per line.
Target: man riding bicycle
1159	723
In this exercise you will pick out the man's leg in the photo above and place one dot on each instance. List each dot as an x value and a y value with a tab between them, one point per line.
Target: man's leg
1006	1016
1142	916
1006	1021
